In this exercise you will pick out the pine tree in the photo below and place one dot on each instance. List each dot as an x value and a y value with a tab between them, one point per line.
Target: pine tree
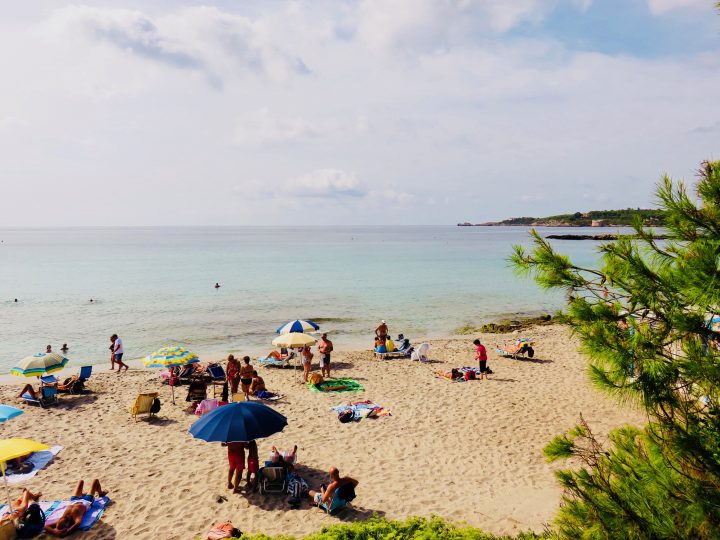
645	318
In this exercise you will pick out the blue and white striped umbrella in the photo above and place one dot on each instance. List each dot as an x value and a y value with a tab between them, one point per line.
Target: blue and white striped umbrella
297	325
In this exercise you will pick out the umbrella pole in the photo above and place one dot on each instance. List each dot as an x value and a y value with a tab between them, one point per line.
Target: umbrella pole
3	467
173	394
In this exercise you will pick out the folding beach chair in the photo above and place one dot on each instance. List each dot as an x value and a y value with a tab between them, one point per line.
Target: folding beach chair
76	383
48	392
143	405
273	479
421	352
521	348
217	378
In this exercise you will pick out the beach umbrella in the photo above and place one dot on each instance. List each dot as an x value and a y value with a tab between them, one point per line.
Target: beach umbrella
15	448
7	412
238	422
297	325
294	340
169	357
39	364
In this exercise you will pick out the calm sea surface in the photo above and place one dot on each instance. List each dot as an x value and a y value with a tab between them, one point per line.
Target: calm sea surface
154	286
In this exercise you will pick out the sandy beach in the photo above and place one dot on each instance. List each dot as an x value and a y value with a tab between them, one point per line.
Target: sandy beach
468	451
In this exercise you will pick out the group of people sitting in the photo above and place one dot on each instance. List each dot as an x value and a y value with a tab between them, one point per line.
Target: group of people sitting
60	524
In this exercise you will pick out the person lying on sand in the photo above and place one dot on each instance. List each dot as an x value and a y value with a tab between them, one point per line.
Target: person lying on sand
19	506
325	494
74	513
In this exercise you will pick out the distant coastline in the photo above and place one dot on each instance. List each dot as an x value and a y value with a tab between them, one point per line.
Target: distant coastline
594	218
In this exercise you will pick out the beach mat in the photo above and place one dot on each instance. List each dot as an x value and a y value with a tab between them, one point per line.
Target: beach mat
92	515
40	460
337	385
362	409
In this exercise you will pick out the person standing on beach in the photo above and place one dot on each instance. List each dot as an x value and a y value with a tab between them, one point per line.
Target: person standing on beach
307	357
382	331
325	348
117	353
246	376
236	462
481	357
233	373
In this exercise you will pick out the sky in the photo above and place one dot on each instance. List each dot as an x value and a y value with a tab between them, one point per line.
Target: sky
314	112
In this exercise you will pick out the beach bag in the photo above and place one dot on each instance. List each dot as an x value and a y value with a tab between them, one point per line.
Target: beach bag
530	352
470	375
346	492
155	407
32	523
223	530
346	416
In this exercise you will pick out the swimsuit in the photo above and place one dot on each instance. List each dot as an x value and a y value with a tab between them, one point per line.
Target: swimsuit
236	458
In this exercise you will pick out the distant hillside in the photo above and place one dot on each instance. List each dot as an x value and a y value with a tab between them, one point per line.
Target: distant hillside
594	218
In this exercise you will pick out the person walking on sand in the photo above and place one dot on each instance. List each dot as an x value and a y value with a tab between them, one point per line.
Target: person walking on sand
481	357
307	357
382	331
325	348
236	463
246	376
117	353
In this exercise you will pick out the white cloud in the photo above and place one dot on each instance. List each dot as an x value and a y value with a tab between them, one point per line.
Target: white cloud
326	183
659	7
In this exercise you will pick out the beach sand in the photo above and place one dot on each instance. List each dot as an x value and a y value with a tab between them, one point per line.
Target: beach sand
470	452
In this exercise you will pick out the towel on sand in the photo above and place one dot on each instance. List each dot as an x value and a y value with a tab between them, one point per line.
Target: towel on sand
39	460
92	515
337	385
361	409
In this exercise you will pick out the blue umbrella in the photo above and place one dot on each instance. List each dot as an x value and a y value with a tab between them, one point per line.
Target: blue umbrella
7	412
238	422
297	325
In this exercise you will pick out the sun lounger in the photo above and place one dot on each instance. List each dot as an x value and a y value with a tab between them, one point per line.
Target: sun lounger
143	404
403	352
522	348
48	392
270	361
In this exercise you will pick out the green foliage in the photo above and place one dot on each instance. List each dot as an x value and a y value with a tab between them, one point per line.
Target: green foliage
615	217
643	319
414	528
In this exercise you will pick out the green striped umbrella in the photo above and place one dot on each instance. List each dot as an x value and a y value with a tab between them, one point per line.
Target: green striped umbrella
39	364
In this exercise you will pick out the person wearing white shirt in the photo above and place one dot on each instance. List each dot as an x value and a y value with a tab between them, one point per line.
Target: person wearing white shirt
117	353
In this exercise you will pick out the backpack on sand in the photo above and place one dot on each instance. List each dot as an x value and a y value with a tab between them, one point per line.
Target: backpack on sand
32	523
155	407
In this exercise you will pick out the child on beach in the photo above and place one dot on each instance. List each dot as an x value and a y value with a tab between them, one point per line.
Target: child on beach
481	357
236	462
253	465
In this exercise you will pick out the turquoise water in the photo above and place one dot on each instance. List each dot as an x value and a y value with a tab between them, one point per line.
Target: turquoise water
154	286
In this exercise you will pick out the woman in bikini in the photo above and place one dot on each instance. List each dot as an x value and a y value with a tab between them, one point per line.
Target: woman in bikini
233	373
246	376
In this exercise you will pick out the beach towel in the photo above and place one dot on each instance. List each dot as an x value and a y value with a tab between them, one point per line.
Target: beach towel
92	514
264	395
337	385
362	409
40	460
46	506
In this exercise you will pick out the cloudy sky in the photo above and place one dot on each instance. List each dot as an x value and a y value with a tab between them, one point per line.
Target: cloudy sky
370	111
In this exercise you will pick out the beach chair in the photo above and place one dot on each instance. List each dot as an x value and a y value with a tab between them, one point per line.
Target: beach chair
143	405
522	348
273	479
404	351
421	353
48	392
217	378
76	383
197	391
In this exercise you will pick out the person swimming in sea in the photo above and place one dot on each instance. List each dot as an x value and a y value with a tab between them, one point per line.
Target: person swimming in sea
217	285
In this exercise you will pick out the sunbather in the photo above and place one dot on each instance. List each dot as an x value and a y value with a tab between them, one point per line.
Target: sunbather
257	384
19	506
325	494
74	513
28	392
286	460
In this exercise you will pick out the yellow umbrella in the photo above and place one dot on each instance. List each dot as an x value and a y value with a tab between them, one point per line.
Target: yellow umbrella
15	448
294	339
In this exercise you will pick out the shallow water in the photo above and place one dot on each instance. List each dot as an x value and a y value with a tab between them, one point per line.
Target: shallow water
154	286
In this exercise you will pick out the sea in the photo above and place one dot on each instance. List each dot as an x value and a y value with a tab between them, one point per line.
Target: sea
154	287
